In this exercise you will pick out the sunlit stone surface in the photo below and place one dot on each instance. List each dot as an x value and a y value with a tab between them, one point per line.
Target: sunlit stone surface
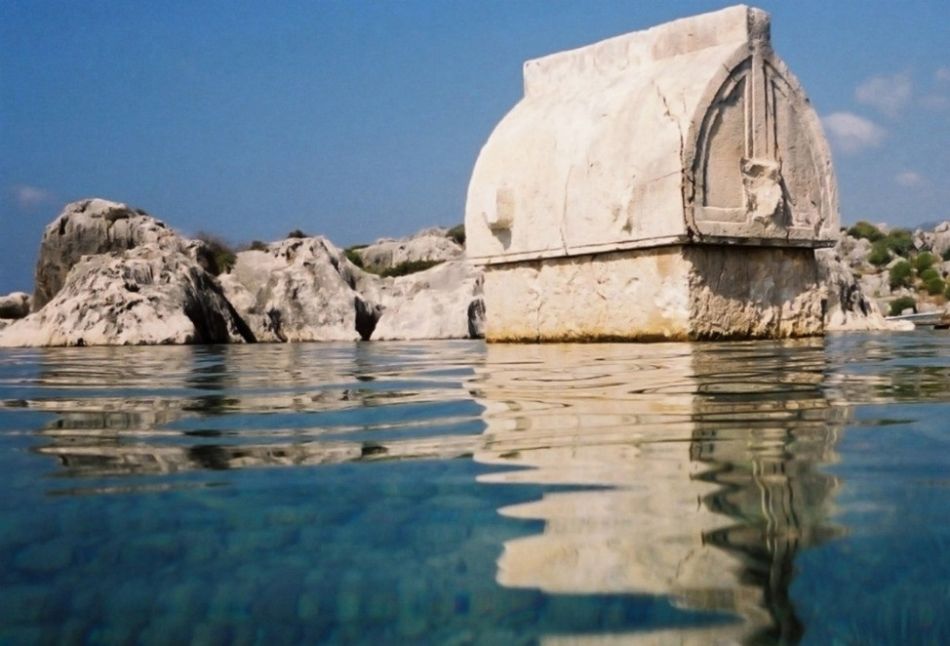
588	202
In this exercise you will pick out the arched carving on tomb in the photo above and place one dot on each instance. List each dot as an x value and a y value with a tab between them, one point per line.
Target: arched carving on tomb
759	166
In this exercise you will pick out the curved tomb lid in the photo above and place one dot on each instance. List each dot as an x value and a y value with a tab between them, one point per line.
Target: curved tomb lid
691	131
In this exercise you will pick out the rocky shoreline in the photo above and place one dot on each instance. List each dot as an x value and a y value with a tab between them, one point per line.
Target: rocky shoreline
109	274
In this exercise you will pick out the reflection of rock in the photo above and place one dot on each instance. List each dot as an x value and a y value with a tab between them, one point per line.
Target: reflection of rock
144	296
176	405
709	455
105	458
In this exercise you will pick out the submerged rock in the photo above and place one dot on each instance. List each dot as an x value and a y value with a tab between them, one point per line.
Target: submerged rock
142	296
14	305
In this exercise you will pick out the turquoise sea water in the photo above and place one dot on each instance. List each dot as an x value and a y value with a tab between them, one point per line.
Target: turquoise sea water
458	493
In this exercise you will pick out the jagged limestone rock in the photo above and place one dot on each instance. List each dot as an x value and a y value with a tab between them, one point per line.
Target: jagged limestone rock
590	199
443	302
300	289
94	226
142	296
847	306
430	245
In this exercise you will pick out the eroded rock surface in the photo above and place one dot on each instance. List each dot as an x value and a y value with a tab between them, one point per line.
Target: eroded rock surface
848	307
95	226
444	302
430	245
142	296
300	289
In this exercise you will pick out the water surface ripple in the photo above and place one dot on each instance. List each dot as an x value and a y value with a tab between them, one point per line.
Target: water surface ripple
452	492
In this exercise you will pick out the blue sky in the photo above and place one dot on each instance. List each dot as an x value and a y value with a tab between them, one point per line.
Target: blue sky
363	119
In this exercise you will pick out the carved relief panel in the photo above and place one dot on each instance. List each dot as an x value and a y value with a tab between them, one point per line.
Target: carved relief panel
760	169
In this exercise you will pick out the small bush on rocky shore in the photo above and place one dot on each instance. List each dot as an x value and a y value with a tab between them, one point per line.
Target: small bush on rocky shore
218	256
898	305
901	275
879	254
924	261
457	233
900	241
865	230
354	257
409	267
932	282
935	285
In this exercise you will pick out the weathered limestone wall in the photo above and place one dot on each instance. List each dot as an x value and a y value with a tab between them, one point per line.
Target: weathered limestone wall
643	294
674	293
753	292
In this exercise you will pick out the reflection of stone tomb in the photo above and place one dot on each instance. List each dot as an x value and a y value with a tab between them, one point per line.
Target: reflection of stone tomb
666	184
698	470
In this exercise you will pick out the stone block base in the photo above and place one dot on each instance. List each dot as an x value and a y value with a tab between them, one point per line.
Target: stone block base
674	293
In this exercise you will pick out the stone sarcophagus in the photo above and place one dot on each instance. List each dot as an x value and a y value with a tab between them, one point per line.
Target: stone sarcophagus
665	184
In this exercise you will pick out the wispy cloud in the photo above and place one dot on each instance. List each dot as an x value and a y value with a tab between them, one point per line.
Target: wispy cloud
942	74
29	197
909	179
889	94
851	133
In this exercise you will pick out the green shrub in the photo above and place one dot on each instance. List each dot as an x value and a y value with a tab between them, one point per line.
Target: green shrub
946	293
901	275
216	256
929	274
257	245
900	241
935	285
879	255
353	256
297	233
457	233
924	261
865	230
409	267
898	305
946	254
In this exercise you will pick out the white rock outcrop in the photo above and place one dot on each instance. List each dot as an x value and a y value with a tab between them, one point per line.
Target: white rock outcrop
443	302
300	289
940	243
142	296
305	289
847	307
96	226
430	245
14	305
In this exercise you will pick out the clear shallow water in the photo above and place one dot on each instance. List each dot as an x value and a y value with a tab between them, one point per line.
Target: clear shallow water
458	493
